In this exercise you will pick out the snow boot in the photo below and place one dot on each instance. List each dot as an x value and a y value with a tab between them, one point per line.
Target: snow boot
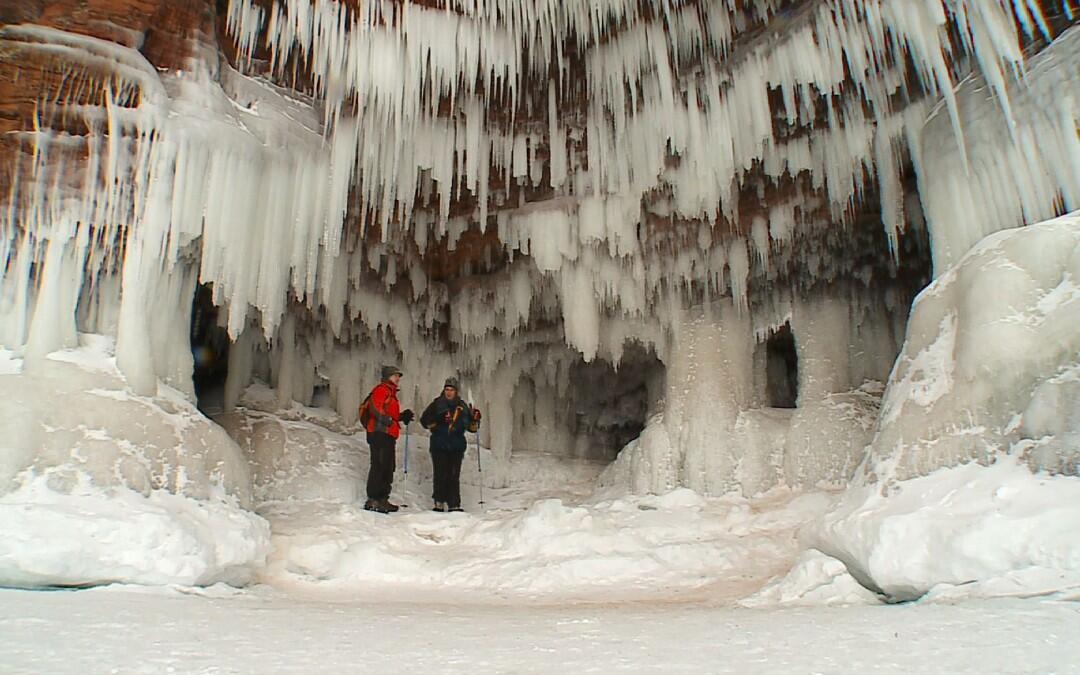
456	509
377	507
390	508
440	507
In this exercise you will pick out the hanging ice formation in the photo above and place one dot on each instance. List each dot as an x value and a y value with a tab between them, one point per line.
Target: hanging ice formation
511	187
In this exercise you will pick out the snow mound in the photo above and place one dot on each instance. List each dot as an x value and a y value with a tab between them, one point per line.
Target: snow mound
958	526
91	536
620	549
816	579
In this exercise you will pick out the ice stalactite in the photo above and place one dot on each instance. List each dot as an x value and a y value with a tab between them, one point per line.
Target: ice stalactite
183	176
722	105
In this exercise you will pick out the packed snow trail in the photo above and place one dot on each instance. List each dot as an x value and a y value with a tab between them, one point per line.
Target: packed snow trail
679	546
193	631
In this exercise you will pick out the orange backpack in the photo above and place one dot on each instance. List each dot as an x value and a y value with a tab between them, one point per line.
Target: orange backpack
365	411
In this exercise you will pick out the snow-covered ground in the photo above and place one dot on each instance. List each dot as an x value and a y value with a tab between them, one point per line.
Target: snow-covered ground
186	631
541	579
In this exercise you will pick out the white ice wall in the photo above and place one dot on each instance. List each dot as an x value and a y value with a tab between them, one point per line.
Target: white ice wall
712	433
1011	165
247	185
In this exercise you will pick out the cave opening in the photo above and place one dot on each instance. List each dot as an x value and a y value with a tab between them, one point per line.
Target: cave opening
209	352
781	368
602	408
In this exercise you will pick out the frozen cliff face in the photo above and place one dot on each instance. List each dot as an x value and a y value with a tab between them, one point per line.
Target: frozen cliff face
71	417
561	185
718	429
553	166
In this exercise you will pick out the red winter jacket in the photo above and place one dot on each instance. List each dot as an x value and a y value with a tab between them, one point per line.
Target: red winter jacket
385	410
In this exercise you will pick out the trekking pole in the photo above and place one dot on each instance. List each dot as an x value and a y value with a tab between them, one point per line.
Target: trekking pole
479	468
406	495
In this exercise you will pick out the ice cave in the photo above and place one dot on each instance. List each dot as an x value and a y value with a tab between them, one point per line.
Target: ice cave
771	307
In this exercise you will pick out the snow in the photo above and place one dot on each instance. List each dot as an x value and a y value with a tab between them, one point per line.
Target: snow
549	536
971	477
678	545
965	525
195	631
89	536
9	364
816	580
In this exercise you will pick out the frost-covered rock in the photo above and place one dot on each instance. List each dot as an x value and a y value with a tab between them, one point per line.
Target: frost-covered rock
972	474
72	415
819	444
827	438
297	458
964	525
991	359
98	484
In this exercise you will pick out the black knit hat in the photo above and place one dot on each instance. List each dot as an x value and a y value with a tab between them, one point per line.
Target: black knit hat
388	371
451	382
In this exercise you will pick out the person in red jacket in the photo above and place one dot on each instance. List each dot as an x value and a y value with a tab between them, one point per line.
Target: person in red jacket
383	429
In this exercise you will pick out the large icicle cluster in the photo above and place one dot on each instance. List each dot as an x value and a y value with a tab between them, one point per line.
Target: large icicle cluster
679	80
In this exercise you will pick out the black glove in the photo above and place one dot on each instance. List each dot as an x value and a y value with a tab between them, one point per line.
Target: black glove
407	416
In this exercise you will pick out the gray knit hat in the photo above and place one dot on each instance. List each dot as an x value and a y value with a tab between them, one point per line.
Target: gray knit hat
451	382
388	371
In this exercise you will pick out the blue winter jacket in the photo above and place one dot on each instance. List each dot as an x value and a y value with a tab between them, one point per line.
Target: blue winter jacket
446	437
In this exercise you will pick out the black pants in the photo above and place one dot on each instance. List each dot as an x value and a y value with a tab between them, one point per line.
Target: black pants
380	475
447	482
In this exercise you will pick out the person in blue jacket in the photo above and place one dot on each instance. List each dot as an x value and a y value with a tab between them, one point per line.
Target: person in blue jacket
448	417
